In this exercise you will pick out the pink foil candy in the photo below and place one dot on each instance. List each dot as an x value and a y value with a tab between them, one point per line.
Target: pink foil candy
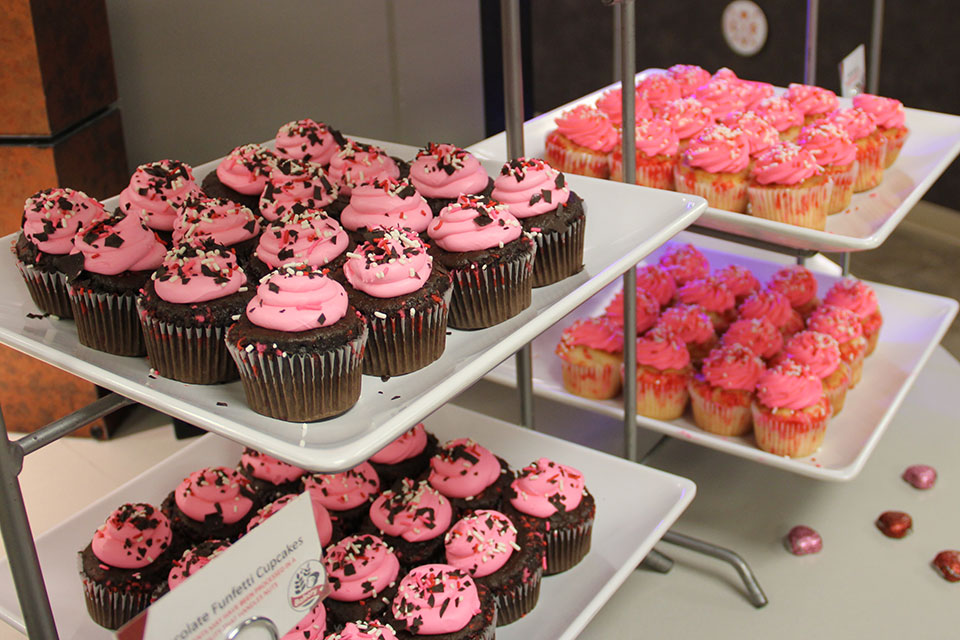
894	524
920	476
803	540
948	564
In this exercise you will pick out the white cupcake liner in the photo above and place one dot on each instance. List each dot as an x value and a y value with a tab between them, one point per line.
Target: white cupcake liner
48	289
804	206
484	296
720	190
197	355
600	382
842	179
400	344
871	155
559	255
108	322
719	419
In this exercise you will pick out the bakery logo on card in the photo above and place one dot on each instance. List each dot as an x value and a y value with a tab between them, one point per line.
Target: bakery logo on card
308	585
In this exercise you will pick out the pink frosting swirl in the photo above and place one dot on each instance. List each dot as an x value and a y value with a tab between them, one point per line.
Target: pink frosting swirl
779	112
611	104
829	144
321	516
52	217
544	486
297	298
687	116
842	324
481	543
298	190
118	243
357	163
193	274
662	350
789	385
436	598
725	73
769	305
344	490
733	367
265	467
446	171
393	262
658	89
786	164
463	469
594	333
718	149
472	224
416	512
796	282
760	134
193	560
308	236
530	187
156	190
132	537
311	627
684	263
656	138
387	203
818	351
588	127
759	91
655	281
247	168
214	490
811	100
688	322
223	220
723	95
887	112
856	122
647	310
739	280
361	630
411	443
710	293
757	334
360	567
308	141
855	295
688	77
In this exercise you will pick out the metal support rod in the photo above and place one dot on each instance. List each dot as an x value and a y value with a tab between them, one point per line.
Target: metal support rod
71	422
754	593
876	42
845	264
810	47
801	260
656	561
524	364
751	242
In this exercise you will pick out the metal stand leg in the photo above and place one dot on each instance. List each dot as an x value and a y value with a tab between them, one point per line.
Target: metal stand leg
876	40
656	561
525	385
810	48
754	593
845	264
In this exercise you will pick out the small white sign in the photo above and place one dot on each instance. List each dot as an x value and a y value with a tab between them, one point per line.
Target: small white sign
275	571
853	73
744	27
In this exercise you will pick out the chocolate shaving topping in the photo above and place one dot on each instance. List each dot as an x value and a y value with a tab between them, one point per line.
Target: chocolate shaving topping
535	198
547	196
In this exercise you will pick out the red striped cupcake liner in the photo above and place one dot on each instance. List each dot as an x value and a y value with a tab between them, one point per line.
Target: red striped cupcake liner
723	419
783	434
842	179
569	157
871	154
599	382
803	205
655	172
721	190
896	136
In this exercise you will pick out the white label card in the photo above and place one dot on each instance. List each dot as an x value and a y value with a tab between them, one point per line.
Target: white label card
853	73
275	571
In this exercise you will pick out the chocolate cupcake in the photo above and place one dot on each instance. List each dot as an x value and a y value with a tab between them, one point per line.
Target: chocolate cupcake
189	562
538	196
270	478
356	163
156	192
313	625
363	573
307	141
469	475
405	299
346	495
386	203
214	503
301	236
223	221
241	176
362	630
51	219
406	457
411	517
294	183
442	602
327	530
443	172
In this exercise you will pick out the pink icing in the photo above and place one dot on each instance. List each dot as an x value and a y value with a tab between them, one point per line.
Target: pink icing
191	274
156	190
223	220
785	164
759	91
543	486
725	73
360	567
789	385
718	149
214	490
361	630
387	203
796	282
588	127
733	367
689	77
411	443
247	169
297	191
52	217
779	112
297	298
887	112
308	236
320	516
611	104
311	627
658	89
393	262
463	469
265	467
345	490
818	351
662	350
656	138
647	310
594	333
687	322
416	512
118	243
842	324
132	537
684	263
530	187
757	334
829	144
856	122
710	293
853	294
446	171
191	561
759	133
769	305
306	140
811	100
739	280
724	95
357	163
472	224
656	282
481	543
436	598
687	116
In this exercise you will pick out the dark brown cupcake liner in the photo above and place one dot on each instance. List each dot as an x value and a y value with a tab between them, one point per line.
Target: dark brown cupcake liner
48	289
197	355
108	322
112	609
517	602
484	296
559	255
566	547
301	387
400	344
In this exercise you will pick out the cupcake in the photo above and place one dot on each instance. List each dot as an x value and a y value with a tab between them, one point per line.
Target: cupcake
722	393
386	203
591	354
871	146
713	296
363	573
128	557
469	476
223	221
312	626
308	141
648	309
406	457
688	77
538	196
356	163
760	134
269	477
241	176
347	495
813	102
442	172
821	354
798	285
299	347
483	246
790	412
690	323
657	89
757	92
756	334
505	559
191	561
787	185
715	166
845	327
739	280
581	142
411	517
835	152
891	121
723	95
663	371
361	630
656	282
684	262
115	257
405	299
51	219
782	115
859	297
214	503
295	187
688	117
327	530
656	157
301	236
611	104
553	498
773	307
156	191
440	601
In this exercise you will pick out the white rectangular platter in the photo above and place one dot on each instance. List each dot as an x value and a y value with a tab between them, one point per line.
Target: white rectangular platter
386	408
913	325
933	144
627	526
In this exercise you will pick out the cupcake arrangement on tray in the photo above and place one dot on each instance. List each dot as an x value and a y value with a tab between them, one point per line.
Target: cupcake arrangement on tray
422	539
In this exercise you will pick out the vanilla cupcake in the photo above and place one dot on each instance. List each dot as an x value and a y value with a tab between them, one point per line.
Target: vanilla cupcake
581	142
657	89
790	412
688	117
837	154
787	185
716	166
663	372
782	115
871	146
656	156
813	102
611	104
722	393
688	77
891	120
859	297
591	355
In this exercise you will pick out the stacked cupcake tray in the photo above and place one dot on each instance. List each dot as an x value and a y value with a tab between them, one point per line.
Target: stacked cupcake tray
934	143
914	324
